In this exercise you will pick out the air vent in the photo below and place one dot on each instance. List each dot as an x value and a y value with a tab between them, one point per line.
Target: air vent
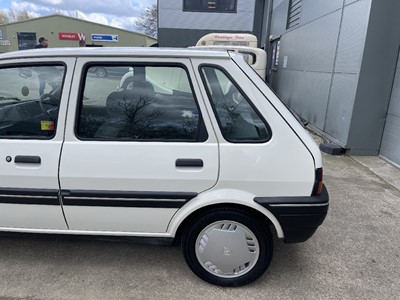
294	13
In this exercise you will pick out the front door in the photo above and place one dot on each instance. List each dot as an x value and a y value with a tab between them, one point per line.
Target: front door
32	108
137	149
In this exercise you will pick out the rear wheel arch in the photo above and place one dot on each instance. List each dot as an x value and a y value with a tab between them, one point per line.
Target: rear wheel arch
223	206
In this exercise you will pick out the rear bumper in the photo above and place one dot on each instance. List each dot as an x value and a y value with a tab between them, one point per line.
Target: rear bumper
298	216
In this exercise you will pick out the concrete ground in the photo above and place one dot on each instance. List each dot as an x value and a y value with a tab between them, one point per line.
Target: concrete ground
353	255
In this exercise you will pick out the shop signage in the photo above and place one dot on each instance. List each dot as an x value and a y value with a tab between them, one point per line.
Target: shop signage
1	34
71	36
5	43
105	38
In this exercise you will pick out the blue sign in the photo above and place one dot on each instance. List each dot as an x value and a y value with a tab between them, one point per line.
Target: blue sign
105	38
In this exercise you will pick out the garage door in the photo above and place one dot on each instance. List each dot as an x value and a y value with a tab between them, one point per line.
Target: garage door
390	147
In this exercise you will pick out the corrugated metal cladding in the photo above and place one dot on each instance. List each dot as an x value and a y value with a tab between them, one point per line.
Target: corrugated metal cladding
294	13
390	147
319	61
51	26
172	16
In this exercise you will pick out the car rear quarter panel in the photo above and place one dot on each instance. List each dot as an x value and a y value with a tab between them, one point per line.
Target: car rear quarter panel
283	166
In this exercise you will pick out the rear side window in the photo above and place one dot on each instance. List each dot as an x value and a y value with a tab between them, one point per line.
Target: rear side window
238	119
139	103
29	101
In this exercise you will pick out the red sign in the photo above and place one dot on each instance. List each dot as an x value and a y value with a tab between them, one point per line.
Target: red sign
72	36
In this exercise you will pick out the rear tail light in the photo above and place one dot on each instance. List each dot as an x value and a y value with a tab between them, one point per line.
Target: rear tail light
318	182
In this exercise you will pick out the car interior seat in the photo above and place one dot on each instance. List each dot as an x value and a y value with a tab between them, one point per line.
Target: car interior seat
122	106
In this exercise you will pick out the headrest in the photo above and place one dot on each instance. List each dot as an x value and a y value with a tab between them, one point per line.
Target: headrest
143	88
116	102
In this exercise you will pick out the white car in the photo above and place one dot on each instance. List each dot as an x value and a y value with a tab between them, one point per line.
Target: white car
196	149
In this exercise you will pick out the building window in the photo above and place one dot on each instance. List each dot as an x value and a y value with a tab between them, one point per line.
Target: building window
294	13
220	6
26	40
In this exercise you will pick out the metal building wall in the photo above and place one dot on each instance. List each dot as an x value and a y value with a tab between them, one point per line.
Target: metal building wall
376	78
390	148
322	57
336	68
177	28
50	26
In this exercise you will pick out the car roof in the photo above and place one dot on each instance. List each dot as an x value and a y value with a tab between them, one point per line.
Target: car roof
115	52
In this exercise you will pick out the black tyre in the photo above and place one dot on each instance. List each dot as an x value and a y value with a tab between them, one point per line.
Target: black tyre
227	247
101	72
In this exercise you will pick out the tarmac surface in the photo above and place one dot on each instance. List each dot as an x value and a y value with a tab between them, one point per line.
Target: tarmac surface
355	254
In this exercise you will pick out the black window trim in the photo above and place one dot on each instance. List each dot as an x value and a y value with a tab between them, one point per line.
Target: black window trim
201	66
38	64
210	10
202	134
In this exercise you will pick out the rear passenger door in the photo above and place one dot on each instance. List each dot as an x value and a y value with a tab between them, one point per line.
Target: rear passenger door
137	145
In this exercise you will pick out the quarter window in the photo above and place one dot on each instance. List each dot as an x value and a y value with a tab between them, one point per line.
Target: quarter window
29	101
150	103
237	118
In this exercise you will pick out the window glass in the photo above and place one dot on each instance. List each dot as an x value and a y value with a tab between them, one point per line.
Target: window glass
29	101
238	120
26	40
222	6
149	103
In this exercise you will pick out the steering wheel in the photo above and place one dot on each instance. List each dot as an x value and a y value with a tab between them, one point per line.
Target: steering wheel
51	98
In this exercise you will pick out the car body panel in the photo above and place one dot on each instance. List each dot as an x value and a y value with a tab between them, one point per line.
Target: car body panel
136	188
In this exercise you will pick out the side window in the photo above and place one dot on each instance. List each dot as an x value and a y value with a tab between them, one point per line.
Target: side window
147	103
29	101
238	119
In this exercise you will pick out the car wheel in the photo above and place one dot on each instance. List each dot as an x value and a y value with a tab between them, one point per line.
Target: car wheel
101	72
227	247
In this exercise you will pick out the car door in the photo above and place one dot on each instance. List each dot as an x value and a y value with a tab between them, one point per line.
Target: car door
133	156
33	102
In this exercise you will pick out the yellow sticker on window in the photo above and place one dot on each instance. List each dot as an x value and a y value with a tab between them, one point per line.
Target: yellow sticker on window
47	125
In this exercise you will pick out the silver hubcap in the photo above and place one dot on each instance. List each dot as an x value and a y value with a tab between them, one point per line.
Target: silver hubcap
227	249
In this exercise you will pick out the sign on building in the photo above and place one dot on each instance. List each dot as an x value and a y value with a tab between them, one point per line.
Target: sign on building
72	36
105	38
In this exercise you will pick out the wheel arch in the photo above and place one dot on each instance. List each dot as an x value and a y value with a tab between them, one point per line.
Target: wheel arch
187	214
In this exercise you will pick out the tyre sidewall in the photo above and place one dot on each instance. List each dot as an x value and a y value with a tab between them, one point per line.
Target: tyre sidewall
259	228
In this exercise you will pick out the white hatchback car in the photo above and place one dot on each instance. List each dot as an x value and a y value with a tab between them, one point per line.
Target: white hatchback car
196	148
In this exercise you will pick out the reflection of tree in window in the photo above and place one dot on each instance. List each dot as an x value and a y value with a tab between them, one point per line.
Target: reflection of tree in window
189	125
139	117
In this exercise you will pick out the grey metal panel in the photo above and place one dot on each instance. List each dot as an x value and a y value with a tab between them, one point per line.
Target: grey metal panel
352	37
390	148
347	2
172	16
340	106
304	92
279	17
311	47
394	107
314	9
181	37
375	76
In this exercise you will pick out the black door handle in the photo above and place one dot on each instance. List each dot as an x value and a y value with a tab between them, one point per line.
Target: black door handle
27	159
189	162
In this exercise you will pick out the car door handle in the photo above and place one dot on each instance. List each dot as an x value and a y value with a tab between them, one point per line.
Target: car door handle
189	162
27	159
